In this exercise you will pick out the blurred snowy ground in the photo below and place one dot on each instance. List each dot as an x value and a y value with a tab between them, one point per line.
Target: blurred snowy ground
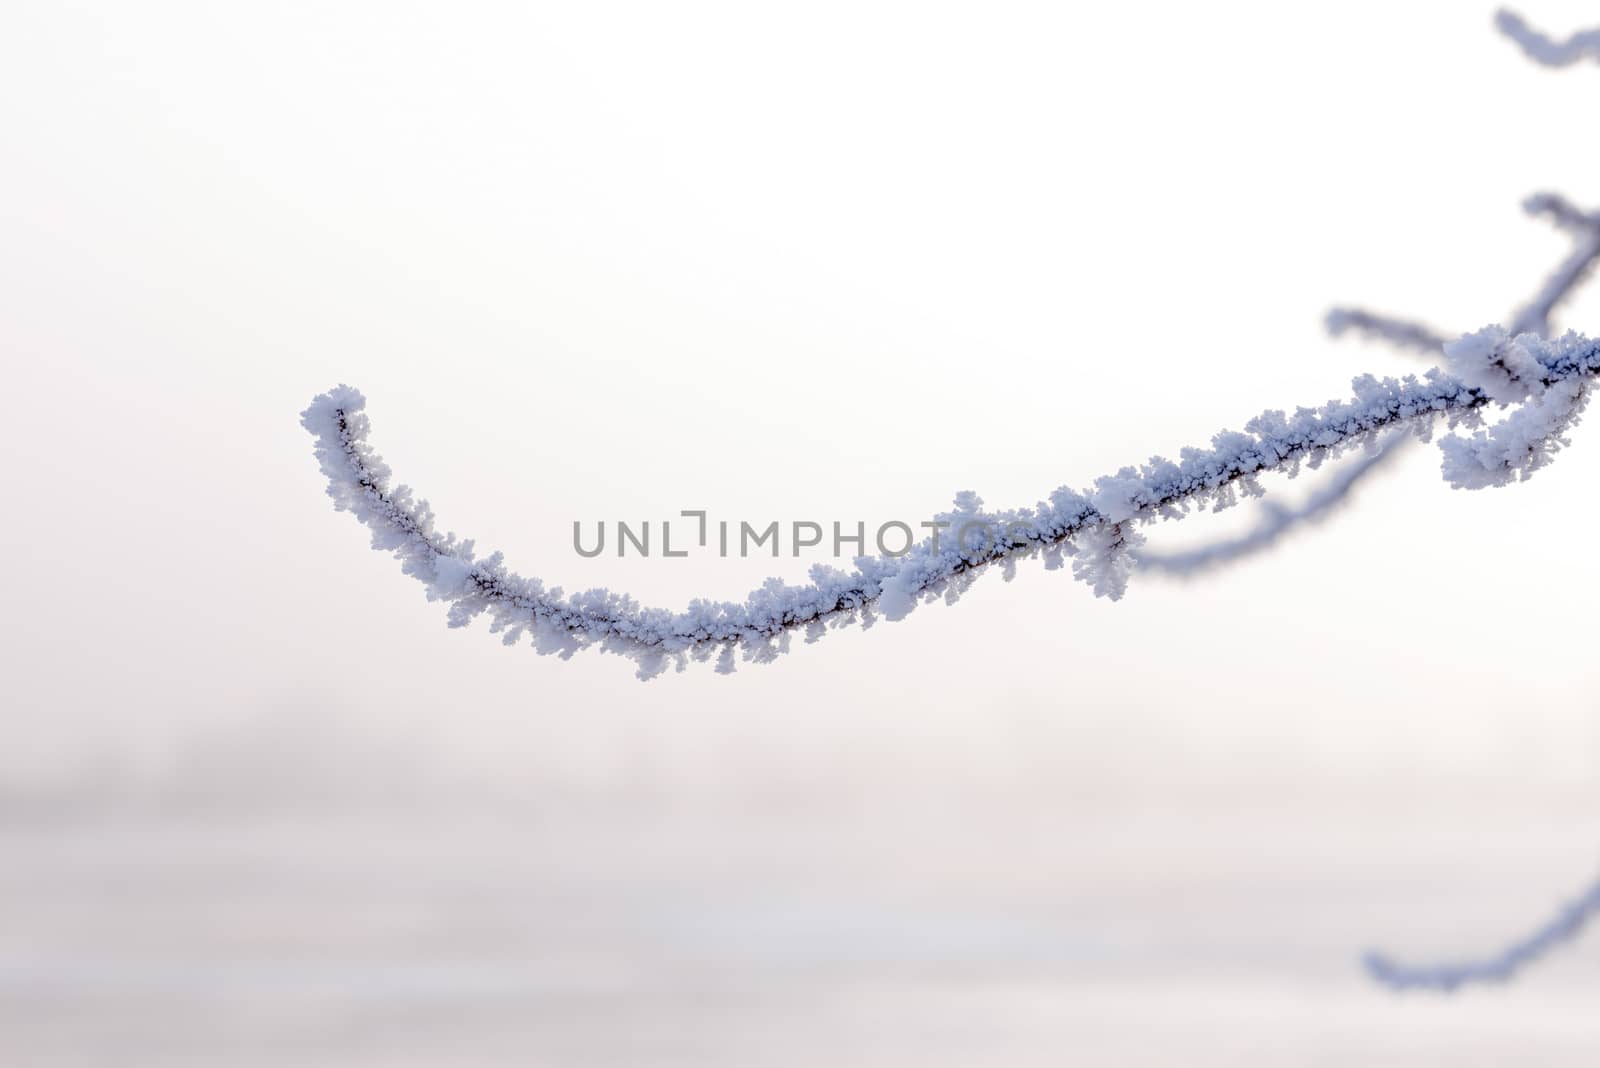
283	896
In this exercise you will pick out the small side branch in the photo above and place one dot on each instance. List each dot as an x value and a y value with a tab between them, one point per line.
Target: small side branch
1562	212
1534	317
1547	50
1401	333
1277	521
1563	927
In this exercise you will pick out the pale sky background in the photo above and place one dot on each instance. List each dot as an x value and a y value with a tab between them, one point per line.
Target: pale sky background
590	261
820	261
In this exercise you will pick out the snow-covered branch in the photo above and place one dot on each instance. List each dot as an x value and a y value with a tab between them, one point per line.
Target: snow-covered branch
1544	49
1276	520
1508	370
1100	525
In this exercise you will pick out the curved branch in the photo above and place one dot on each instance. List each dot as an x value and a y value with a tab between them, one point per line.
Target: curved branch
1544	49
1564	926
1562	212
1100	521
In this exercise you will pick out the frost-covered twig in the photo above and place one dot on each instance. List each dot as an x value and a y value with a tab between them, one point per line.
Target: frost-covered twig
1276	520
1098	525
1509	370
1533	316
1564	926
1400	333
1561	211
1546	50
